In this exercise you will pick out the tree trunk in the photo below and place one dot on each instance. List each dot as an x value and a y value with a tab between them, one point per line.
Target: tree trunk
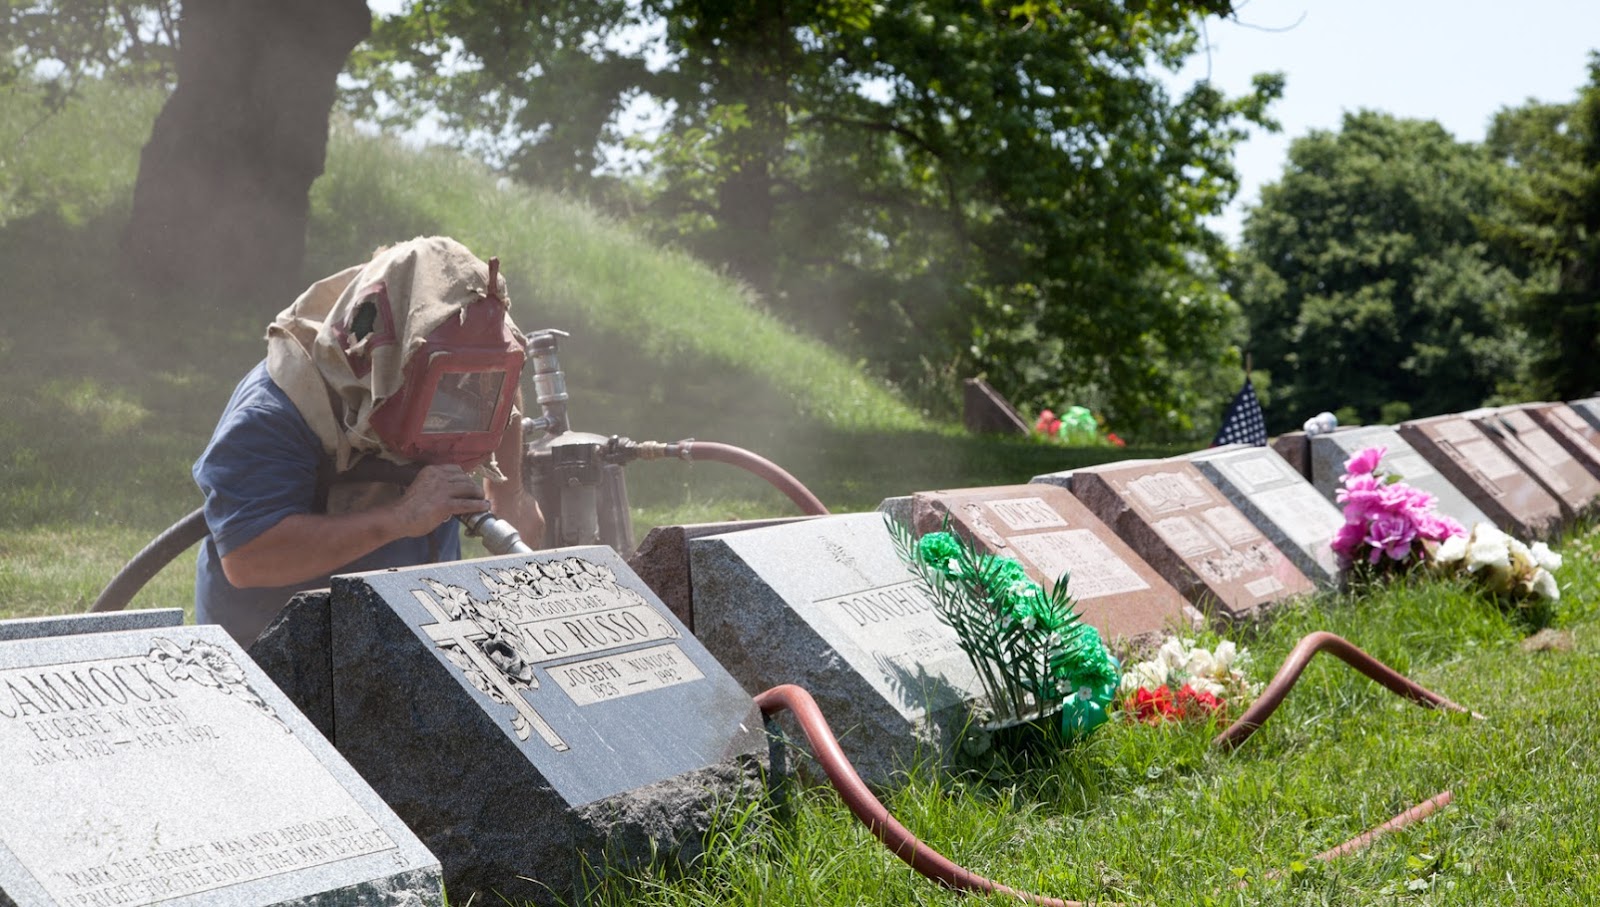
222	198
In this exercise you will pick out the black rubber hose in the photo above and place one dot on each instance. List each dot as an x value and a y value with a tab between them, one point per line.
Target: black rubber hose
147	563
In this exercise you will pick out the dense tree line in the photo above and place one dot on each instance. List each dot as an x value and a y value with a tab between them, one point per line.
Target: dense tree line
942	187
1395	271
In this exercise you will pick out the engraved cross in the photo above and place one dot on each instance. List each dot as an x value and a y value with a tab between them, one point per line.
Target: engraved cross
464	634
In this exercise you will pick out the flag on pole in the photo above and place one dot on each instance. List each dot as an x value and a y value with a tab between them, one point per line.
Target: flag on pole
1243	423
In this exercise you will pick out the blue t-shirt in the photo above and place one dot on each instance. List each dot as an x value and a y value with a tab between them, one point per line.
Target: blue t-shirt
260	467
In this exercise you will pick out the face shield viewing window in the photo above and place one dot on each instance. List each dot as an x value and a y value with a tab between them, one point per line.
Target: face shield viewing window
460	386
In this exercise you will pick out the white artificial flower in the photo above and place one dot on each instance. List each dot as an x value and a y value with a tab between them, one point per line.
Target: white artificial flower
1544	557
1200	664
1522	562
1488	547
1225	654
1544	585
1174	653
1451	550
1146	674
1203	685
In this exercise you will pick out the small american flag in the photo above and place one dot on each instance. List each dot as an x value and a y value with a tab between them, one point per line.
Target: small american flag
1243	423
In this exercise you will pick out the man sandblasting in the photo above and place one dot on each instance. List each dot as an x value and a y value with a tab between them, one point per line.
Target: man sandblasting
411	358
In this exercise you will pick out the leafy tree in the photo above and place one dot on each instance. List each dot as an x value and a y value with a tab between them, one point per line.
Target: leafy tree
942	186
1366	280
51	46
1553	226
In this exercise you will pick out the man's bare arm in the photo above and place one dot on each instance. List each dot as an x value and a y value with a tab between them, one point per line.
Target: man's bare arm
306	545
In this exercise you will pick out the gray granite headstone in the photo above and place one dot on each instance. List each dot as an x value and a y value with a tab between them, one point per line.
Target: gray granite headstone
162	766
1331	451
1281	503
662	560
77	624
533	717
829	605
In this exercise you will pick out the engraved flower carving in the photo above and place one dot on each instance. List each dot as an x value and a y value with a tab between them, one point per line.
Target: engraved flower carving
210	666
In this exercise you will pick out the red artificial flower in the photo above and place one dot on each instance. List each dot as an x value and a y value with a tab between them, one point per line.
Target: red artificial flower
1048	424
1112	437
1154	706
1195	704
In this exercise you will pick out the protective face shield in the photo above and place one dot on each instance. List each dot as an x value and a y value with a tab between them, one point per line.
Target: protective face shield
460	384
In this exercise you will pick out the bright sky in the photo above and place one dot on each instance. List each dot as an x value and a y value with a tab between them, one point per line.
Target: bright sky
1454	61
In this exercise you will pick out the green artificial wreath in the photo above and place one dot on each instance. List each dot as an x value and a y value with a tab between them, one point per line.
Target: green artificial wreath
1033	655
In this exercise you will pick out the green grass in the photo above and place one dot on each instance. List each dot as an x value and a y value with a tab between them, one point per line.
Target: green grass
1153	815
109	398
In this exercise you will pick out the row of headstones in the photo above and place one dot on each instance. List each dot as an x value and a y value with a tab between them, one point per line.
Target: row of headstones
503	723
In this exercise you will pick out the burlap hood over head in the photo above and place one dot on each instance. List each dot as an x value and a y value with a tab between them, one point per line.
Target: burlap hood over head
341	349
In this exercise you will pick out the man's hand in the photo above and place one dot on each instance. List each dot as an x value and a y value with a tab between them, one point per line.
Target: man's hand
435	495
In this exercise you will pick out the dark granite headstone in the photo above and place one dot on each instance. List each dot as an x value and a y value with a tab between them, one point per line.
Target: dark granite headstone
1466	457
531	716
1192	535
1295	448
1570	430
1052	533
829	605
1331	451
1281	503
1541	456
985	412
662	560
162	766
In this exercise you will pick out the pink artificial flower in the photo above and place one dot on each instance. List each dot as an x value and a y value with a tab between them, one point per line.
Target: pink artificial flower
1362	497
1390	534
1348	541
1363	463
1436	527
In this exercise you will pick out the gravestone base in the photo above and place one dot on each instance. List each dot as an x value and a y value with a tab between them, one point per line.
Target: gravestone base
465	788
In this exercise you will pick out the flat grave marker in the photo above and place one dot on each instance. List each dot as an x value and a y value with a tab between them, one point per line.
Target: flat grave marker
1570	430
1281	503
1192	535
1050	532
1588	409
829	605
162	766
1477	466
1331	451
1542	457
531	715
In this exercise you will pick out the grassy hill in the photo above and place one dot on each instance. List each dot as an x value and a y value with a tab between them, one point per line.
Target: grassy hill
110	396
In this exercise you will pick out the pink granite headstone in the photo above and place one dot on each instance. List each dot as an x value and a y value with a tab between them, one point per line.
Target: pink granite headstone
1051	533
1193	536
1477	466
